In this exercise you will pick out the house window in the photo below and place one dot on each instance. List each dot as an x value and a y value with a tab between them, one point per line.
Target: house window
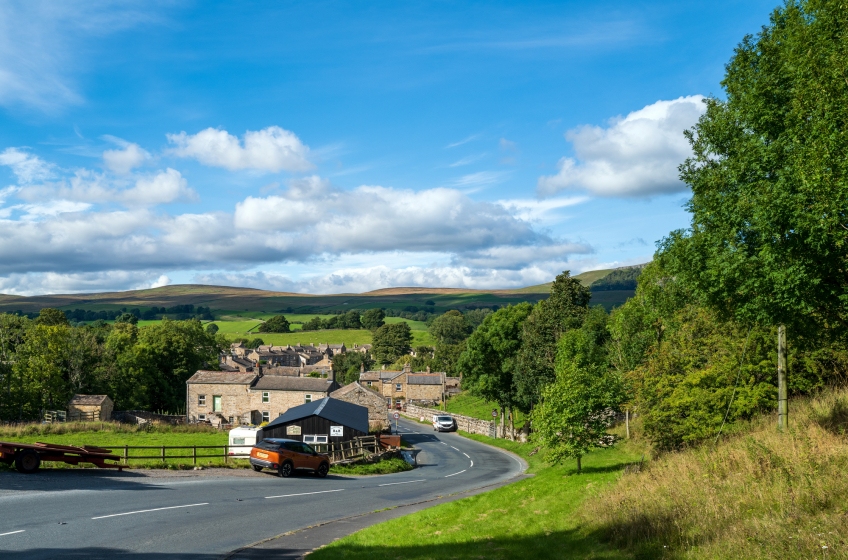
216	403
398	387
201	417
369	383
201	400
314	439
266	396
266	416
308	398
231	420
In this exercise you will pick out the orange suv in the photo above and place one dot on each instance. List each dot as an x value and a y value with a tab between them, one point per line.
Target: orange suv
286	456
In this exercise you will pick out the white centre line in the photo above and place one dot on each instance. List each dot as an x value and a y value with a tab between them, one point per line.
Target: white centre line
454	448
472	463
443	443
466	454
149	510
456	473
407	482
12	533
303	494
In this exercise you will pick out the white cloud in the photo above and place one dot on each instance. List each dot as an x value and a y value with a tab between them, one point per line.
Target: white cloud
125	160
28	284
27	168
87	186
534	210
636	155
467	160
479	178
271	149
161	281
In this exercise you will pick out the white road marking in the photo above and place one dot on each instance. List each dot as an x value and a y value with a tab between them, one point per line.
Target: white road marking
149	510
472	463
466	454
303	494
407	482
12	533
454	448
443	443
456	473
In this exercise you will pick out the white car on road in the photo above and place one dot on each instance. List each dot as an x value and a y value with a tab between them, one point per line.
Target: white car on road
443	423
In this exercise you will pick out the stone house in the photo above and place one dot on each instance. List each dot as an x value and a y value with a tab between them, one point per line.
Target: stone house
357	394
90	407
272	395
425	388
230	362
453	386
220	397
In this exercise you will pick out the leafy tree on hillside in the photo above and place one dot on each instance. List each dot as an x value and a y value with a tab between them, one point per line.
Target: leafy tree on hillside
347	366
50	317
212	328
769	175
373	319
254	343
450	328
489	361
127	318
276	324
578	408
563	310
391	341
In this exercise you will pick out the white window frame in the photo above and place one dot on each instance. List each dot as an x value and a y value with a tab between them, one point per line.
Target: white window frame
308	399
315	439
266	396
201	400
266	416
398	387
201	417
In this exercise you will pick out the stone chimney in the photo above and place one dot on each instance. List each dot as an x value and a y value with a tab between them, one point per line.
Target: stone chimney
362	367
258	368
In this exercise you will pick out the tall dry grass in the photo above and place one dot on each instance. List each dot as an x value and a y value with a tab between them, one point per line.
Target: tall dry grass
756	494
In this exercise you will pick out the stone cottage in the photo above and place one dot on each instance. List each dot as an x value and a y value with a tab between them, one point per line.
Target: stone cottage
357	394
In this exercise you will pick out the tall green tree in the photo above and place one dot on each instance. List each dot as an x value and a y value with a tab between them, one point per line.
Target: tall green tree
769	178
276	324
373	319
51	317
489	361
450	328
391	341
563	310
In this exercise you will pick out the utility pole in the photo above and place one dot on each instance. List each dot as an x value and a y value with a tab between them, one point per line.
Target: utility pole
782	409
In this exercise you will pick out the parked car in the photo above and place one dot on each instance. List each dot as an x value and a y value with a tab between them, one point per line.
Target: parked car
287	456
444	423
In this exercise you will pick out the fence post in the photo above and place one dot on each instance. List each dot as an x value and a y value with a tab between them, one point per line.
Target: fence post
226	449
126	453
163	453
194	455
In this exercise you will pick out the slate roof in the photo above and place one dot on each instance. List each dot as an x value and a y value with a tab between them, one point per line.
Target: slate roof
369	376
341	412
222	377
288	383
424	379
352	387
88	399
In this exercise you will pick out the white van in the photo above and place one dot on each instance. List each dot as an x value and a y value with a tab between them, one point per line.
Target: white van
242	440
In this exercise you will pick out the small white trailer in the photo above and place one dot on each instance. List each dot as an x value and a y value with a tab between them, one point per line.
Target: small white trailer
242	440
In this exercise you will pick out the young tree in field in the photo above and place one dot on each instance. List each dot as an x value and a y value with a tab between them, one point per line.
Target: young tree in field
769	178
489	363
391	341
276	324
212	328
563	310
373	319
578	407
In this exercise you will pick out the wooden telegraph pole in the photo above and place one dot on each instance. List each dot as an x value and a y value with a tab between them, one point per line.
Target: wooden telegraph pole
782	409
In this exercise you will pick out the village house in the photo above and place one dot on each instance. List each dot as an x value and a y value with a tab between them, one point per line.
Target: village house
357	394
272	395
424	387
90	408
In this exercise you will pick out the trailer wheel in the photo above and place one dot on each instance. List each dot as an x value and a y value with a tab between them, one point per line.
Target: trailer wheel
27	461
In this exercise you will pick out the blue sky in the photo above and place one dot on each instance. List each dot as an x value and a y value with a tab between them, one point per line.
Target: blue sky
344	147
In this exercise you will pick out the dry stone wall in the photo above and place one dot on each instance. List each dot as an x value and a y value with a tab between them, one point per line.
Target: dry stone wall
464	423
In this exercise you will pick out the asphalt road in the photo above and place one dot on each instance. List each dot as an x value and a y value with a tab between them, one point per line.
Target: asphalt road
103	514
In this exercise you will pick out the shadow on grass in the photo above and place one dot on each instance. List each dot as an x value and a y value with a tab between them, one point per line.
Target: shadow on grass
556	545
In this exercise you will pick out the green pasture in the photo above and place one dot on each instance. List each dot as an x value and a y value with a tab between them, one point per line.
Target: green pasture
475	407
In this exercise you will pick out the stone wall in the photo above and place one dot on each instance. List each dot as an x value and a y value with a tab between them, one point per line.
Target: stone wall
235	400
464	423
280	401
432	393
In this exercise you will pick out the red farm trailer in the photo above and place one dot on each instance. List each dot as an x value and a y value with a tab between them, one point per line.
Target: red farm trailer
28	456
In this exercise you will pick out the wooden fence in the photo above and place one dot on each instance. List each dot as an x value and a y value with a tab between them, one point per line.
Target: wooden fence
343	452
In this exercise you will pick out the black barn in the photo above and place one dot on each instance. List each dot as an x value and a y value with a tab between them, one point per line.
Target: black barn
326	421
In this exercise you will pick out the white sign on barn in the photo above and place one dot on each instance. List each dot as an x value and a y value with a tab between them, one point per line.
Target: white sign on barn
336	431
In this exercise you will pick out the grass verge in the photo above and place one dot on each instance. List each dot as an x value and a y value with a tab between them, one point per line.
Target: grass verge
389	466
467	405
532	518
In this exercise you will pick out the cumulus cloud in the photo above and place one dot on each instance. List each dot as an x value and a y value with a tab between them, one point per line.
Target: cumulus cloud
27	167
33	283
636	155
271	149
374	218
87	186
126	159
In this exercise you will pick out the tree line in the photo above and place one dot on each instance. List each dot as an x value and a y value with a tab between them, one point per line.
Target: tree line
45	361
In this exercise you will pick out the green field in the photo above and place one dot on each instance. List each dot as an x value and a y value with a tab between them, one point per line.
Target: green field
532	518
475	407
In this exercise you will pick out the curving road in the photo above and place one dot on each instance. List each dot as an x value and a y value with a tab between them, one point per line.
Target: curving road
97	514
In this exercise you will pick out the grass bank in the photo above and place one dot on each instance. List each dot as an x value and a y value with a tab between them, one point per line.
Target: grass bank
532	518
389	466
475	407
